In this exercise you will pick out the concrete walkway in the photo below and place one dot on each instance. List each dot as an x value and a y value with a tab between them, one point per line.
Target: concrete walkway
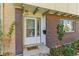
41	51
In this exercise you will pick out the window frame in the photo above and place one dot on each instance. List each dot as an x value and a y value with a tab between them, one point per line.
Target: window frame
30	29
35	19
73	25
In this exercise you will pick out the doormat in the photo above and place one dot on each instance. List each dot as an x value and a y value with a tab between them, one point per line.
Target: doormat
32	48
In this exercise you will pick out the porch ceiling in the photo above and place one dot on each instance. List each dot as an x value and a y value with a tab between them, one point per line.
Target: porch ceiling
43	11
34	9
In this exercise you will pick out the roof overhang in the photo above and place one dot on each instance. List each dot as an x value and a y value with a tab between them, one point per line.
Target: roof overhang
39	10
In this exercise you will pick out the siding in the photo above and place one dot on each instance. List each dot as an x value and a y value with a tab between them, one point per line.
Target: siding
51	37
71	8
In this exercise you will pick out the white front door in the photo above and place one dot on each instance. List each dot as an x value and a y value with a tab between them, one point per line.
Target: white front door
32	29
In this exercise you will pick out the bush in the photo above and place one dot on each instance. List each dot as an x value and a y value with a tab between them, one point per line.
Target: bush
68	50
75	44
55	52
65	50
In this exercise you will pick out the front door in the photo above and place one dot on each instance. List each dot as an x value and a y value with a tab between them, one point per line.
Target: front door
32	30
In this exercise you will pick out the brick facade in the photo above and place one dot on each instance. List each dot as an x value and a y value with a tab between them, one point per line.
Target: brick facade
51	36
19	31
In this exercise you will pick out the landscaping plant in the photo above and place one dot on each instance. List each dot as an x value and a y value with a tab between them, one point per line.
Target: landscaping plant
55	52
68	50
60	32
75	45
7	40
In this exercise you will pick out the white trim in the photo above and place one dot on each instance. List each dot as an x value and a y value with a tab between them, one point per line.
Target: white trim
71	25
30	38
43	27
35	23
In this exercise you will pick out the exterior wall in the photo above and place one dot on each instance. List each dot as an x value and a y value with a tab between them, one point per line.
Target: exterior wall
11	14
51	36
71	8
19	30
8	19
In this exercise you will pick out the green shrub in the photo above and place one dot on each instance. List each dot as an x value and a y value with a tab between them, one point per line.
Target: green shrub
75	45
60	32
55	52
65	50
68	50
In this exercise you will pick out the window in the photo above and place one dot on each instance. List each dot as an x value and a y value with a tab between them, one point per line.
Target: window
30	27
33	26
68	25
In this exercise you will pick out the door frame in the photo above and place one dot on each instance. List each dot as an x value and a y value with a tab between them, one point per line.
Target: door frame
24	29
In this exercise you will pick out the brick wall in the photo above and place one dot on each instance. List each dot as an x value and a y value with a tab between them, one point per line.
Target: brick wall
18	31
51	36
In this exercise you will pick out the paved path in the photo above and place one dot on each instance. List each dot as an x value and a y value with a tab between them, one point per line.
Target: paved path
41	51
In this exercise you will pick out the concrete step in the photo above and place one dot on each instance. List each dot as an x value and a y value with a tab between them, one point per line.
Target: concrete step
41	51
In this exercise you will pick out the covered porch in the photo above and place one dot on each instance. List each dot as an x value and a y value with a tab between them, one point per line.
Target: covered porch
31	31
34	35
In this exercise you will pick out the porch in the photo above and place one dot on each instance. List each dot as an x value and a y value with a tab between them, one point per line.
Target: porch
47	17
